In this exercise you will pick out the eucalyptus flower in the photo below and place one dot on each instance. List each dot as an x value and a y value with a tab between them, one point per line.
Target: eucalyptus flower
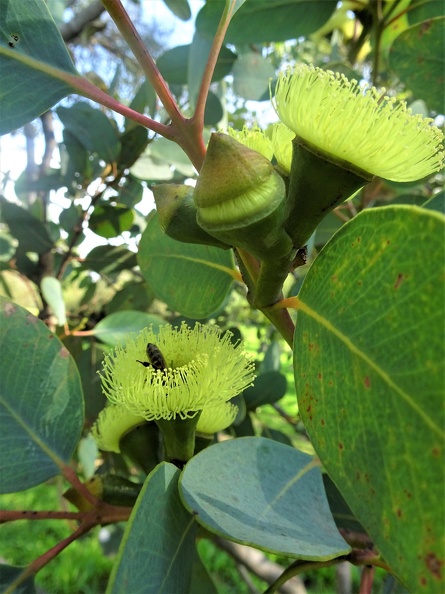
203	370
281	139
112	424
364	128
254	138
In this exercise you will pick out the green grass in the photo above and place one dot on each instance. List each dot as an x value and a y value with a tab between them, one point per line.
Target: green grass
80	568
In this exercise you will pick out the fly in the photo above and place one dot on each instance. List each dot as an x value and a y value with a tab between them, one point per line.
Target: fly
155	358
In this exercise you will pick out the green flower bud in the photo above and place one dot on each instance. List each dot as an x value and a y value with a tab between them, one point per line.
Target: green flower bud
177	215
240	199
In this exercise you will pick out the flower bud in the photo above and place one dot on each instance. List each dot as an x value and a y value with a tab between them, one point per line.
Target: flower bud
240	199
177	215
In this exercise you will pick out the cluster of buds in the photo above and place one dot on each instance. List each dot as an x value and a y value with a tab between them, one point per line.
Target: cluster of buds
333	138
266	195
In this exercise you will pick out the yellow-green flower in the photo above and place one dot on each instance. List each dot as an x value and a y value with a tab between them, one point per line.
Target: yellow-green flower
216	418
282	138
254	138
112	424
362	127
204	369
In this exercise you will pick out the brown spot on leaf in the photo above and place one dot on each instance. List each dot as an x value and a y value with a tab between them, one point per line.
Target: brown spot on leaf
434	565
424	28
9	309
64	353
309	408
399	513
400	278
367	381
436	452
322	422
341	446
31	318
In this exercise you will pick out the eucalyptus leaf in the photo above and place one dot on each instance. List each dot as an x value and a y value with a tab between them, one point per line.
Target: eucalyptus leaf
9	573
92	129
52	293
109	259
28	33
113	329
251	75
262	493
369	375
31	233
192	279
41	401
268	388
266	20
422	44
109	220
157	551
179	8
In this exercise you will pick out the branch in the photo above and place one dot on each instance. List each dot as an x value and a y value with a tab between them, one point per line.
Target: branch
142	55
76	25
260	565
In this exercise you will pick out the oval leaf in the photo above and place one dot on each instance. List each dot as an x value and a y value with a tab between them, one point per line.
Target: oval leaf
31	233
92	129
417	57
251	76
262	493
268	388
41	401
369	375
157	550
267	20
114	328
52	292
110	221
192	279
28	31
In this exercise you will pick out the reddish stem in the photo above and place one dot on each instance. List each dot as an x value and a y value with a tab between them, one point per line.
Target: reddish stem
8	515
218	40
142	55
73	479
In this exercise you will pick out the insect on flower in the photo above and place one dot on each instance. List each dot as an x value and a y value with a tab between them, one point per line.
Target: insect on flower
155	358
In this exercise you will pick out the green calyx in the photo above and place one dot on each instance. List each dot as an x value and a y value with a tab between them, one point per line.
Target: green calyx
240	198
179	438
318	183
177	215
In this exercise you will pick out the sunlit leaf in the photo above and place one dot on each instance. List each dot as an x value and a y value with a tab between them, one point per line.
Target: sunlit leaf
262	493
41	404
157	550
369	374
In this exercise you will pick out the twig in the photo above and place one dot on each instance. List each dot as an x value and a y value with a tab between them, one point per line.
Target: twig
260	565
76	25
